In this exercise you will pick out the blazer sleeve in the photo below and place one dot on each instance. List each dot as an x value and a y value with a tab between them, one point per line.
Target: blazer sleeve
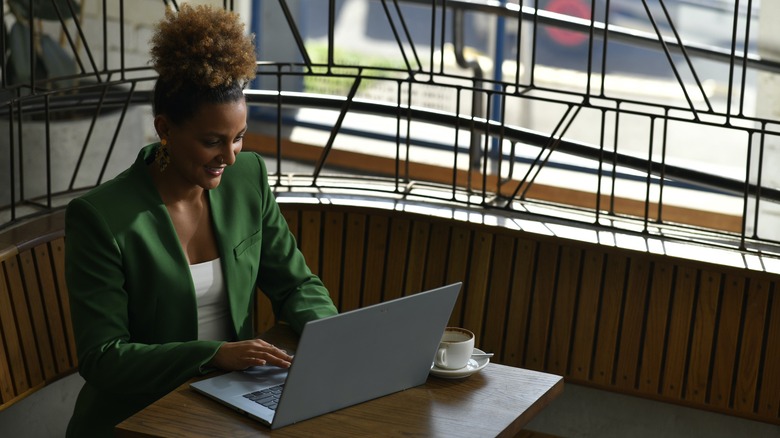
297	295
109	359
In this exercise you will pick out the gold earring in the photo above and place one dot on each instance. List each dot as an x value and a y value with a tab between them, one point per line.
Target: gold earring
162	155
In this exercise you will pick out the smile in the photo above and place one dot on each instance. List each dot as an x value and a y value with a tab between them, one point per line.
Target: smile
215	171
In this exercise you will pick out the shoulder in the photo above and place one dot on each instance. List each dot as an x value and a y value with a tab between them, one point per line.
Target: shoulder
249	168
120	199
250	162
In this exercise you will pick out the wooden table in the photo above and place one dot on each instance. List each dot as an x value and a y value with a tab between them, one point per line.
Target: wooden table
497	401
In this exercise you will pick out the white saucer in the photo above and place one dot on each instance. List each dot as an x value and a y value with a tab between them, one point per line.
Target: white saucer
472	367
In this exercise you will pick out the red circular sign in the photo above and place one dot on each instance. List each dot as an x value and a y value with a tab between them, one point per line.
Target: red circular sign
574	8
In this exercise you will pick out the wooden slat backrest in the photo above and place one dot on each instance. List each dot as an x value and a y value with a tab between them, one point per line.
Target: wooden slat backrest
497	303
353	256
632	322
608	318
749	365
769	401
519	304
15	383
456	266
657	318
629	321
418	253
436	256
396	258
55	311
541	307
586	316
36	344
476	283
725	345
57	247
31	319
679	325
332	253
375	260
565	306
700	350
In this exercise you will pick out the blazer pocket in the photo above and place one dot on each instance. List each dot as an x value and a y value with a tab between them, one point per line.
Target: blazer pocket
247	243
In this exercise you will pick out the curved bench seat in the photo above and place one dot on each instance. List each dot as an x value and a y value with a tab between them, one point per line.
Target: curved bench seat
616	317
603	311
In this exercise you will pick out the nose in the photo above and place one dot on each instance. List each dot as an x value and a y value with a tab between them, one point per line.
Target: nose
228	156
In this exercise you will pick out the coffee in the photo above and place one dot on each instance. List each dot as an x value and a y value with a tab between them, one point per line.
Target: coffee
455	349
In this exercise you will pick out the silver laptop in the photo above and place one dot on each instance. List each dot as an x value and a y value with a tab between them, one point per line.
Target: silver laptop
343	360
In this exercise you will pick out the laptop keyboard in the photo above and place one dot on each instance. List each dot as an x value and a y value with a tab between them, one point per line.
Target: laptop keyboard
268	397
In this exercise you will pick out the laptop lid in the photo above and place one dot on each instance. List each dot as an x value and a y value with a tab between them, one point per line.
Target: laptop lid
347	359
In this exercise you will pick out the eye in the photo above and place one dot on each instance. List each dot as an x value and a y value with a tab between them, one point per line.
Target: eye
238	139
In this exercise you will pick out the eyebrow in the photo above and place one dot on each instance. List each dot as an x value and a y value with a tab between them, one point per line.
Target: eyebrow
218	134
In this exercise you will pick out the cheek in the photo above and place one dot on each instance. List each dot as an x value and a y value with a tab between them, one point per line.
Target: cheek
192	158
183	150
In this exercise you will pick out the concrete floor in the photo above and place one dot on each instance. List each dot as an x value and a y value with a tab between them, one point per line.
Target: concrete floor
43	414
585	412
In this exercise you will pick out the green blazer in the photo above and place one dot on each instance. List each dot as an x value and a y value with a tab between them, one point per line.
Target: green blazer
132	299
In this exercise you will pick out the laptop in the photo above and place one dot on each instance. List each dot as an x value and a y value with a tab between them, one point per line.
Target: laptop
343	360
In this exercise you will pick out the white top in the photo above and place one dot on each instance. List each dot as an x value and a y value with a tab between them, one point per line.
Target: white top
213	309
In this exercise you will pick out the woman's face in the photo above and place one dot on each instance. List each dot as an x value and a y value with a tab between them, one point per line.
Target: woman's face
202	147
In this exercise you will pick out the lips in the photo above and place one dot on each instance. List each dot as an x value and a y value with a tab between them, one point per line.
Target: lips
215	171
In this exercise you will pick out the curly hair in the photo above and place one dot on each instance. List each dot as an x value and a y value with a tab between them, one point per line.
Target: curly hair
201	55
204	45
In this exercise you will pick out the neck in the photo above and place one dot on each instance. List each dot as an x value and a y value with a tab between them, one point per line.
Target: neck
175	191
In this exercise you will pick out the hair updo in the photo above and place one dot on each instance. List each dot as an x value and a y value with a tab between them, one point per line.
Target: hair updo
201	55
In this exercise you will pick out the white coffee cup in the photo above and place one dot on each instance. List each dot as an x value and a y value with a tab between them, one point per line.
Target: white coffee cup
455	349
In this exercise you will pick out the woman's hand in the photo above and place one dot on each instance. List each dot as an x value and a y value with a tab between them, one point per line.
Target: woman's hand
235	356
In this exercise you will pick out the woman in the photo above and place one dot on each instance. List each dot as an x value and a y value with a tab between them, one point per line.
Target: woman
163	260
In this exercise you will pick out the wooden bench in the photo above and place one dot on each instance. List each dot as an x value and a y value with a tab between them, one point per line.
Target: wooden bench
36	346
680	331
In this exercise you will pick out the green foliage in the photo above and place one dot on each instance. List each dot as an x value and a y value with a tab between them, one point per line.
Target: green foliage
338	80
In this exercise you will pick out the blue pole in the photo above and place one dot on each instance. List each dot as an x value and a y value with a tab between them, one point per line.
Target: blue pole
498	58
254	27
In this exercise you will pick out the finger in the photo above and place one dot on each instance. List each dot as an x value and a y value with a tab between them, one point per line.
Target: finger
278	352
281	363
275	352
275	357
254	361
263	343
